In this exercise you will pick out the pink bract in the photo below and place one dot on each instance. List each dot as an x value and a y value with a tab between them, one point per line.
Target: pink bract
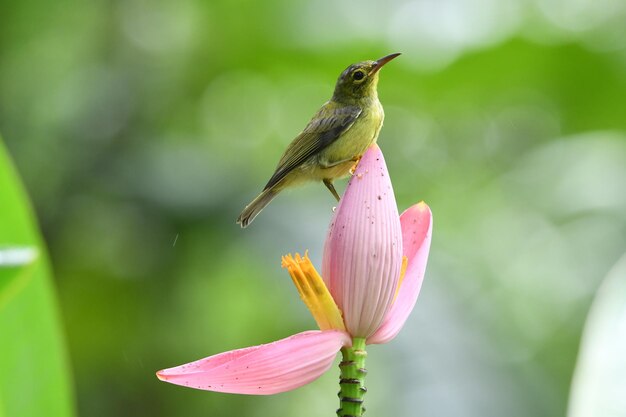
265	369
363	250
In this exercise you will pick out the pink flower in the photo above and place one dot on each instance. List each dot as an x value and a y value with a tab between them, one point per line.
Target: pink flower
373	266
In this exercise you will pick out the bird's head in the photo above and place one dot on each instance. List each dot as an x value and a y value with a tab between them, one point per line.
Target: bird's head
359	80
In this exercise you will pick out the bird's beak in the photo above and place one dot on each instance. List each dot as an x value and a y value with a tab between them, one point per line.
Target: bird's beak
382	61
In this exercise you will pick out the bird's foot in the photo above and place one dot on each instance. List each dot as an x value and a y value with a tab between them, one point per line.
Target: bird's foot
356	163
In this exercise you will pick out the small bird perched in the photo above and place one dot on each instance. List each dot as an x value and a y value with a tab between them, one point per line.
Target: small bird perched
335	138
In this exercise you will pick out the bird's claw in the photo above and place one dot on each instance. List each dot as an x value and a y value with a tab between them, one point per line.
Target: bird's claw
356	163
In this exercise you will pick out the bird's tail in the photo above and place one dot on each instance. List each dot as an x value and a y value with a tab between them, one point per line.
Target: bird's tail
254	208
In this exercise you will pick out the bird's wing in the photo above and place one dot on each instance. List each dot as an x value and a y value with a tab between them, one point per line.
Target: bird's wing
325	127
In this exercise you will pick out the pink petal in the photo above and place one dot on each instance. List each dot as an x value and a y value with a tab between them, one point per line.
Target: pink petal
417	226
363	250
265	369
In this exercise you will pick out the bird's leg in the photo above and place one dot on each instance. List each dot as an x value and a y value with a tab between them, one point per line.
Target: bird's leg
329	184
356	160
326	165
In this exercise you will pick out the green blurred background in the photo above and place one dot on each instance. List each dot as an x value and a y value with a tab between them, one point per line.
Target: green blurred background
142	128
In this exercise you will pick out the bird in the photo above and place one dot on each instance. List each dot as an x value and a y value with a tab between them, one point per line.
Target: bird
333	141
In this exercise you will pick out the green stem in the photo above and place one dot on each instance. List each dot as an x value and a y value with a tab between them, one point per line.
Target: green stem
352	379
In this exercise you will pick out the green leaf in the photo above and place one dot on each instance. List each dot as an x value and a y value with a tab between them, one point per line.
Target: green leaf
599	382
15	270
34	373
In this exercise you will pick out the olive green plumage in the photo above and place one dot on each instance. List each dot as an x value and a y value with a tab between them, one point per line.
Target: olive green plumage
335	138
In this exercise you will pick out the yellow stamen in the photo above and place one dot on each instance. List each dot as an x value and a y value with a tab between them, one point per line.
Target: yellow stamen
405	262
313	292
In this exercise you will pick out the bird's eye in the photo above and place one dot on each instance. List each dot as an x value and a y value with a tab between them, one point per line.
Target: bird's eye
358	75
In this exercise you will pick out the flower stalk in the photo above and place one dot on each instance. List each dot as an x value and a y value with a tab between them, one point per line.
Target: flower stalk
352	379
